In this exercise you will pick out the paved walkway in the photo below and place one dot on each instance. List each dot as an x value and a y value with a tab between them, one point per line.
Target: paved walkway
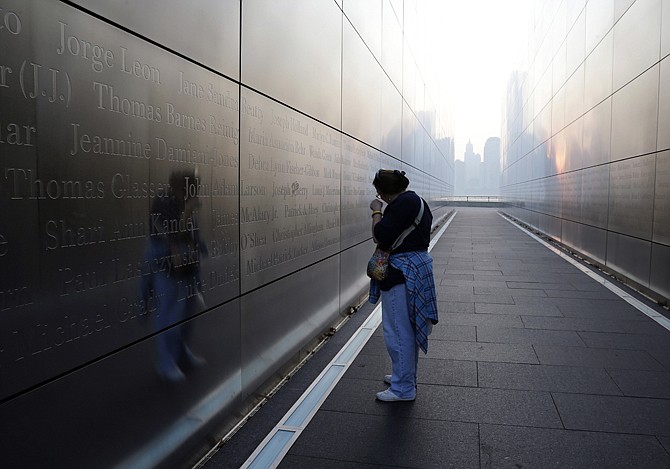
533	365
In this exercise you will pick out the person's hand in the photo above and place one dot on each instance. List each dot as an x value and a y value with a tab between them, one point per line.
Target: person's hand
376	204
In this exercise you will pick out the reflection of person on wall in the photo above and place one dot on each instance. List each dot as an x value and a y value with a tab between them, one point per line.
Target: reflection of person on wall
174	282
409	303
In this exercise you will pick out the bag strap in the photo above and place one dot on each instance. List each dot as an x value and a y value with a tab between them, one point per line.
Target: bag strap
409	229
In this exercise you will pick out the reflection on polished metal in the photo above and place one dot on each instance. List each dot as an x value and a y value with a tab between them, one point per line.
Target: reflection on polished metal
186	206
176	25
601	186
112	119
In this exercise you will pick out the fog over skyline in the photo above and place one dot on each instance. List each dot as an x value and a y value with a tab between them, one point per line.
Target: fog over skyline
484	41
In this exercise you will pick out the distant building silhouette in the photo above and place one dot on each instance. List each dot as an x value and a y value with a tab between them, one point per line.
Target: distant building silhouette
492	165
476	177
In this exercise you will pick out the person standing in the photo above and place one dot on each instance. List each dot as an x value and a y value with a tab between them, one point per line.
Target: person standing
409	303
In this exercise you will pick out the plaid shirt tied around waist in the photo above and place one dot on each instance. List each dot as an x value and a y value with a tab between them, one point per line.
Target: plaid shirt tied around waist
417	267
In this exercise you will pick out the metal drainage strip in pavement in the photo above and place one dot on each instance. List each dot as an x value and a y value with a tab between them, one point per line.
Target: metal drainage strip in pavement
280	439
655	315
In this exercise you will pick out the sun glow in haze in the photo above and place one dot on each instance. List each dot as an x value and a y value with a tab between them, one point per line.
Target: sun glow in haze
484	41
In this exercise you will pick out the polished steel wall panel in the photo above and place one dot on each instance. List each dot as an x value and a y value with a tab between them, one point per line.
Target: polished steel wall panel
635	116
411	23
289	191
636	48
553	196
559	67
586	239
543	59
558	112
631	196
282	317
392	45
599	20
397	8
574	158
389	162
419	145
575	44
20	293
361	85
595	196
661	231
663	136
574	8
574	95
354	286
630	256
597	124
620	7
558	28
528	114
273	32
119	413
542	126
115	119
550	225
360	162
391	118
543	91
527	140
419	96
181	26
660	269
409	127
571	195
598	73
665	30
366	18
409	77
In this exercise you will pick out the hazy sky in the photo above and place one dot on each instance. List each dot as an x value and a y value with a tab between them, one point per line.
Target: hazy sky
485	41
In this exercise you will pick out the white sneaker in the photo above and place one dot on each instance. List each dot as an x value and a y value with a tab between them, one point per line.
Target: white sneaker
389	396
387	379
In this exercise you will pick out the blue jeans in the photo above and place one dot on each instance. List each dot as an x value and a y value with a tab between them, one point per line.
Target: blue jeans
400	341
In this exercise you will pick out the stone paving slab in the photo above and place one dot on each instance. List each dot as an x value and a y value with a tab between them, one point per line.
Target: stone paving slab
511	335
454	307
461	333
638	383
599	358
571	379
478	351
452	282
537	309
507	447
480	319
626	341
591	325
632	415
391	440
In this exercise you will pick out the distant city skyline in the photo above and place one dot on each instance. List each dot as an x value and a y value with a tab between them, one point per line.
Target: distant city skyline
474	175
491	37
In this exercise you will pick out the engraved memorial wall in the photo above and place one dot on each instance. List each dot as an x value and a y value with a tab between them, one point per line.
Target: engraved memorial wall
111	119
601	183
203	197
